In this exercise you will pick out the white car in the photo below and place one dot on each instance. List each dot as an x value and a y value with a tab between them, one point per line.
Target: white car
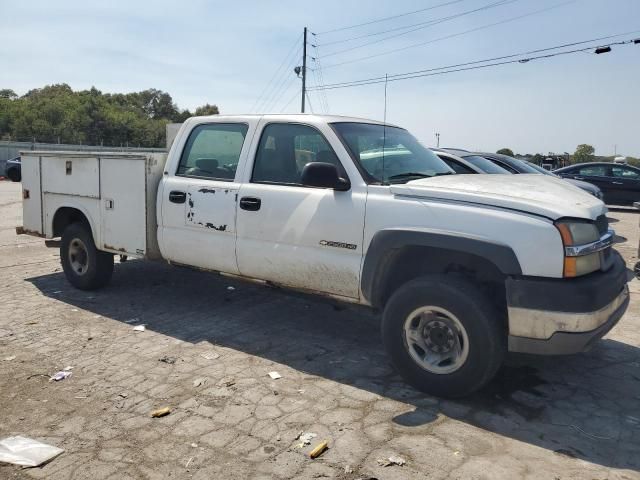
463	267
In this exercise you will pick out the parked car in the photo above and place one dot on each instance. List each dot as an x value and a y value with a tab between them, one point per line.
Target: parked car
620	184
463	267
515	165
13	169
462	161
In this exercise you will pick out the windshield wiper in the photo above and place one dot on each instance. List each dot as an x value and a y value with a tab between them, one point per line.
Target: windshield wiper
408	176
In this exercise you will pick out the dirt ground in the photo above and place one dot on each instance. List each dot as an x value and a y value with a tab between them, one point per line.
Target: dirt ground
207	351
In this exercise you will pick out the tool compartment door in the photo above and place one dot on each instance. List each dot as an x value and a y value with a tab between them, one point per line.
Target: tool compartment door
123	205
71	175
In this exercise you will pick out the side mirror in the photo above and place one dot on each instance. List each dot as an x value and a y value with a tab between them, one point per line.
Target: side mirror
323	175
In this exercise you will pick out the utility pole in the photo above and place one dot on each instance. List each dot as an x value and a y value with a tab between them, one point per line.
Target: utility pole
304	68
437	140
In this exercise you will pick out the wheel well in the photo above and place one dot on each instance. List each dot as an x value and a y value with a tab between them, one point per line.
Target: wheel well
411	262
65	216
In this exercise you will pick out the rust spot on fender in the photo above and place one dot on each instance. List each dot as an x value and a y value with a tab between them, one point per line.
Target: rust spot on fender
24	231
109	247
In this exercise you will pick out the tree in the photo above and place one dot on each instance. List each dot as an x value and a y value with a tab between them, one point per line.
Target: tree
584	153
56	113
8	93
207	110
506	151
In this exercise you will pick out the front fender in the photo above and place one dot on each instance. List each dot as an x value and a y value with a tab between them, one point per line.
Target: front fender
385	243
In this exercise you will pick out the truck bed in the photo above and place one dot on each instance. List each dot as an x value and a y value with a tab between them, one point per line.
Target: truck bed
115	191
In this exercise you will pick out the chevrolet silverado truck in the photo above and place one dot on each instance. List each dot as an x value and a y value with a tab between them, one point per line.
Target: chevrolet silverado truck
463	268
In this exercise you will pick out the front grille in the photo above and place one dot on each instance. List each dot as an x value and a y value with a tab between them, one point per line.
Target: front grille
602	224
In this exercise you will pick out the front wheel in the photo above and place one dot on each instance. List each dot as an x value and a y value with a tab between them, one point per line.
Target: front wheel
86	267
443	335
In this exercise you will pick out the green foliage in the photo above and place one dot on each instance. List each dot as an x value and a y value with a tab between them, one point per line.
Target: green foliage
56	113
584	153
505	151
207	110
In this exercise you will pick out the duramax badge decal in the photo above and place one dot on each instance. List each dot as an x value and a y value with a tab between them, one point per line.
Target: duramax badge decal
328	243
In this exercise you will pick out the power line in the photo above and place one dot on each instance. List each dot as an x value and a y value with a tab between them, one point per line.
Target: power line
296	44
296	93
530	52
384	19
445	70
413	28
501	22
272	98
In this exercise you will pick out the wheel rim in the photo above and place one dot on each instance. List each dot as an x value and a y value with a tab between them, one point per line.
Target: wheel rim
436	340
78	256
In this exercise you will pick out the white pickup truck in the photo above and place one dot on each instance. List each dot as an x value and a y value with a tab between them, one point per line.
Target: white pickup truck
463	267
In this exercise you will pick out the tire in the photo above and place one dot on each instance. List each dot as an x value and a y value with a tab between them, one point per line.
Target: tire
441	315
85	267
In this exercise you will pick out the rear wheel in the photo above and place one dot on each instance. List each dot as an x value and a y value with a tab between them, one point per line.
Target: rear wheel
86	267
443	335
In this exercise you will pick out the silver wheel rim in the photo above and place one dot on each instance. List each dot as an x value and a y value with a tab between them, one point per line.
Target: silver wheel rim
78	256
436	340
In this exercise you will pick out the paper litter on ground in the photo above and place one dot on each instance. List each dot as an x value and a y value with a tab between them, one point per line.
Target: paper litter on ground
26	451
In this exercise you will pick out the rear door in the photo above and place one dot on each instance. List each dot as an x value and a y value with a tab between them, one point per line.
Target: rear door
199	198
303	237
625	182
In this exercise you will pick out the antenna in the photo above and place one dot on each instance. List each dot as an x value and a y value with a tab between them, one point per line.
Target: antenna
384	125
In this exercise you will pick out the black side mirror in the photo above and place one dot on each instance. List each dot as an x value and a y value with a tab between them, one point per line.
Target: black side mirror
323	175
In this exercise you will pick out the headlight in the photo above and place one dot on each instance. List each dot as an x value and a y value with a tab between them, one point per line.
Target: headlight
582	246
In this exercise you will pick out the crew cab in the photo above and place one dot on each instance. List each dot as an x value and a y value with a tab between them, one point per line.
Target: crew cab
463	268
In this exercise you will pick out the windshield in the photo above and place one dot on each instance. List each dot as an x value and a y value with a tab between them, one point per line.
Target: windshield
389	154
539	169
487	166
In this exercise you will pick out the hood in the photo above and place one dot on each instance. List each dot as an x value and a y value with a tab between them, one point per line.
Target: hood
542	195
589	187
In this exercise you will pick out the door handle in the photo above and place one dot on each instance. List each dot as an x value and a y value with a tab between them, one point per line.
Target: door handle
250	203
578	178
177	197
617	183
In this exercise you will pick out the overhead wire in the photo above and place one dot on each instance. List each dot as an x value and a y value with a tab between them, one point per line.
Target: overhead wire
393	17
276	79
414	27
444	70
492	59
296	94
446	37
282	83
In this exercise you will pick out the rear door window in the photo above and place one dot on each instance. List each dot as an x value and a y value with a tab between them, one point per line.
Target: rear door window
212	151
592	171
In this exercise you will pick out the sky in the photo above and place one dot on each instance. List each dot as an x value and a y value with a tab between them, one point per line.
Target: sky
241	55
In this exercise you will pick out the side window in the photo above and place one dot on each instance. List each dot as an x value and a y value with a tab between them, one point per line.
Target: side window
455	166
593	171
623	172
212	151
286	148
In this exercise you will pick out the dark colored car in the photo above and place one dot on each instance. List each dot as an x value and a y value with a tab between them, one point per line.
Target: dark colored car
462	161
515	165
14	169
619	183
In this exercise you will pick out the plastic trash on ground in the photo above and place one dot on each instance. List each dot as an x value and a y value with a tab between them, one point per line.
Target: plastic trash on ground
275	375
26	452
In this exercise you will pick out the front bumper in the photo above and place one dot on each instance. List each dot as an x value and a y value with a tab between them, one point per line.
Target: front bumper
564	316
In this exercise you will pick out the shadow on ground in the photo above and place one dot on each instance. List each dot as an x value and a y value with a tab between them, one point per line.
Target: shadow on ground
584	406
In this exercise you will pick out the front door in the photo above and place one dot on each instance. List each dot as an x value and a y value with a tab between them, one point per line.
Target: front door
299	236
199	201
